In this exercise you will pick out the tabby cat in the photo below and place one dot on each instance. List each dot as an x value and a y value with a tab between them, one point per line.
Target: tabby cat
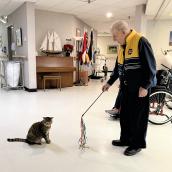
36	132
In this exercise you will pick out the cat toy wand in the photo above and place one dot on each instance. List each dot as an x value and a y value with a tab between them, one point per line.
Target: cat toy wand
83	138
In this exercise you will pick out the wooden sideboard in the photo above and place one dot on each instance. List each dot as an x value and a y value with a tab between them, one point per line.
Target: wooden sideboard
55	65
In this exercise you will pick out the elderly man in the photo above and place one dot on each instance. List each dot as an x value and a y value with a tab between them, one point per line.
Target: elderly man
136	69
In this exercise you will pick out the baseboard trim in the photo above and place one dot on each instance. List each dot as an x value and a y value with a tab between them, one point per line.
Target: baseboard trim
30	89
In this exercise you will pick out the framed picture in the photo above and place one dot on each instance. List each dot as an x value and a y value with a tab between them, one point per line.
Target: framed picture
19	37
170	41
111	49
78	32
0	41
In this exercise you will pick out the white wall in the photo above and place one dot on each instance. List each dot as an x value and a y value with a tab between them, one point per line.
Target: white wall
30	13
158	33
102	44
19	20
3	33
50	21
64	24
140	19
82	25
24	18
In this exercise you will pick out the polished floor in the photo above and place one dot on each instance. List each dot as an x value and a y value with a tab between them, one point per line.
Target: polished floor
19	109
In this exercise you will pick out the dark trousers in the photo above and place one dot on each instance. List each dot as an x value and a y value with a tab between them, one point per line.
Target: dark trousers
118	100
134	118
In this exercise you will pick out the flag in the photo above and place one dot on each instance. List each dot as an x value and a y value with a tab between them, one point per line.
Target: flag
85	57
90	50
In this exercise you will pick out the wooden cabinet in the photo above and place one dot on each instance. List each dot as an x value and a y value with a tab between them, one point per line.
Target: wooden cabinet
55	65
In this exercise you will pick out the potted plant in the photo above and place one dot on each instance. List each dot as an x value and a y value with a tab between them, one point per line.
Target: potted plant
68	48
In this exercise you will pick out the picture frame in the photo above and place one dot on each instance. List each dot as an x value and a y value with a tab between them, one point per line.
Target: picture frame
111	49
1	41
78	32
170	40
19	37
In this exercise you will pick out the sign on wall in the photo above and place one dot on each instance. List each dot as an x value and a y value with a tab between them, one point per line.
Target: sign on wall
19	37
111	49
170	42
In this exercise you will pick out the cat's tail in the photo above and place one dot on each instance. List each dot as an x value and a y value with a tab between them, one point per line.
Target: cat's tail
17	140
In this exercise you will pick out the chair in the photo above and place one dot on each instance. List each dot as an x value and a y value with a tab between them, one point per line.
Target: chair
51	77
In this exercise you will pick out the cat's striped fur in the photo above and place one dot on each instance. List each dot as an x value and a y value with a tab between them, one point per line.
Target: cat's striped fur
17	140
36	132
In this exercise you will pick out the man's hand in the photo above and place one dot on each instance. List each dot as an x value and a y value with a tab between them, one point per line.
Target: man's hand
143	92
105	87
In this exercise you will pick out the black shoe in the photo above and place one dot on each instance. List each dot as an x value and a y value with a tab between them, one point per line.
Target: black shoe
130	151
112	112
117	116
119	143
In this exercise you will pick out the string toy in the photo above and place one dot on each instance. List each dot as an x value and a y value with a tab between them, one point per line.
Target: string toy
83	138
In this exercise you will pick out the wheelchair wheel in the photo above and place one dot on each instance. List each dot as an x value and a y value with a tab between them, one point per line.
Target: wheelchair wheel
159	112
169	105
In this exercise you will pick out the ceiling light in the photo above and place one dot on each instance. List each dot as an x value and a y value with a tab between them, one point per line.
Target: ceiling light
109	15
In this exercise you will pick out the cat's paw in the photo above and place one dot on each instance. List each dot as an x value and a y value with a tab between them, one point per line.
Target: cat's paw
48	141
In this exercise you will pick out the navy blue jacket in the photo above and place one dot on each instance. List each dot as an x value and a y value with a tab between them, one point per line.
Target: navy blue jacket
146	78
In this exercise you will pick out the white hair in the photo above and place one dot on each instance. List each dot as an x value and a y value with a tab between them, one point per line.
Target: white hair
121	26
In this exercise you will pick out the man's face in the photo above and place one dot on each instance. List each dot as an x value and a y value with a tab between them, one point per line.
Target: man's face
119	37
